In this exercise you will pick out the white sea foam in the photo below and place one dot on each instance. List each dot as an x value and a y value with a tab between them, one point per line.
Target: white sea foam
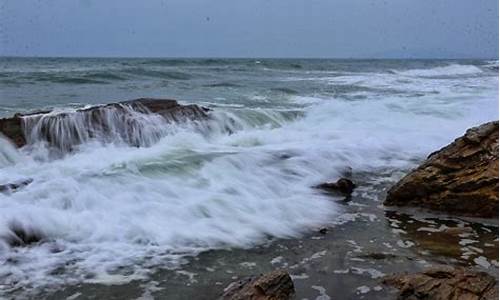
450	70
112	211
493	64
8	153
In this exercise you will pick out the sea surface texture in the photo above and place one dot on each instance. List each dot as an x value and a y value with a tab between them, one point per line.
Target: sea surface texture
110	212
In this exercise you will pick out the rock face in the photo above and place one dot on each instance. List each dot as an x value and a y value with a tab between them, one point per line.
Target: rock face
12	129
343	186
62	129
276	285
461	178
445	283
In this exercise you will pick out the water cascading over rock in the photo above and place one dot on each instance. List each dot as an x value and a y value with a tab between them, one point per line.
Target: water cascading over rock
139	122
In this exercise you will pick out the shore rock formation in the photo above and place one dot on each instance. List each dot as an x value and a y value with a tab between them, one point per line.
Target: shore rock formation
461	178
445	283
114	118
276	285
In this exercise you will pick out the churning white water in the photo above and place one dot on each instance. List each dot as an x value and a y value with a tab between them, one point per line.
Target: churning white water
69	128
110	211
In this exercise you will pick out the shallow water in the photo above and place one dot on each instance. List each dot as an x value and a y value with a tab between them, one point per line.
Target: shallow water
363	244
115	214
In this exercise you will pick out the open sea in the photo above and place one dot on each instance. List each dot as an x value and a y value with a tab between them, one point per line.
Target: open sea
112	213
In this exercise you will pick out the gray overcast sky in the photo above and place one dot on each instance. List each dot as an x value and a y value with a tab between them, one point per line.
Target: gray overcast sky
251	28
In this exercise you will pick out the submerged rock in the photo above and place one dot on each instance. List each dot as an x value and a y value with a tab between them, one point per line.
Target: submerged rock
323	230
20	235
445	283
67	129
12	187
276	285
461	178
455	239
343	186
378	256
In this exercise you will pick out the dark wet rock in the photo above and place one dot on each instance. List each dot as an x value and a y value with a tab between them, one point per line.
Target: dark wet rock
461	178
445	283
13	130
20	235
13	187
343	186
276	285
167	108
323	230
20	126
285	156
378	256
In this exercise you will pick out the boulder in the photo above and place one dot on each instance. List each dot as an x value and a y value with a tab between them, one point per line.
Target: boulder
445	283
343	186
461	178
115	118
276	285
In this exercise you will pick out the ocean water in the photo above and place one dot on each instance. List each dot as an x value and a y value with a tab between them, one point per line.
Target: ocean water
111	213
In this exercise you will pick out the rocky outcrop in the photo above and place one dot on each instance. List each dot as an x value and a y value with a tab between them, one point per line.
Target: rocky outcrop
461	178
445	283
343	186
115	118
276	285
169	109
12	128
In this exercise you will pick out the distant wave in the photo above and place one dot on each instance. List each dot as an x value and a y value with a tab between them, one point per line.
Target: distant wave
223	84
492	64
92	77
98	77
288	91
158	74
104	75
64	79
280	65
450	70
184	62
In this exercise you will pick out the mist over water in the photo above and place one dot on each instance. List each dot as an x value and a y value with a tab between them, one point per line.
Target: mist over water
109	211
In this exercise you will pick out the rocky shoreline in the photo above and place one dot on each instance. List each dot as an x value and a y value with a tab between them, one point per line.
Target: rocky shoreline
461	179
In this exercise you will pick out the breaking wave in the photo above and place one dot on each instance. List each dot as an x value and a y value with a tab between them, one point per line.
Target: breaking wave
135	193
450	70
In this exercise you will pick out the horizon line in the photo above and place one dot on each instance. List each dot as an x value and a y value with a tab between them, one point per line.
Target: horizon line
248	57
